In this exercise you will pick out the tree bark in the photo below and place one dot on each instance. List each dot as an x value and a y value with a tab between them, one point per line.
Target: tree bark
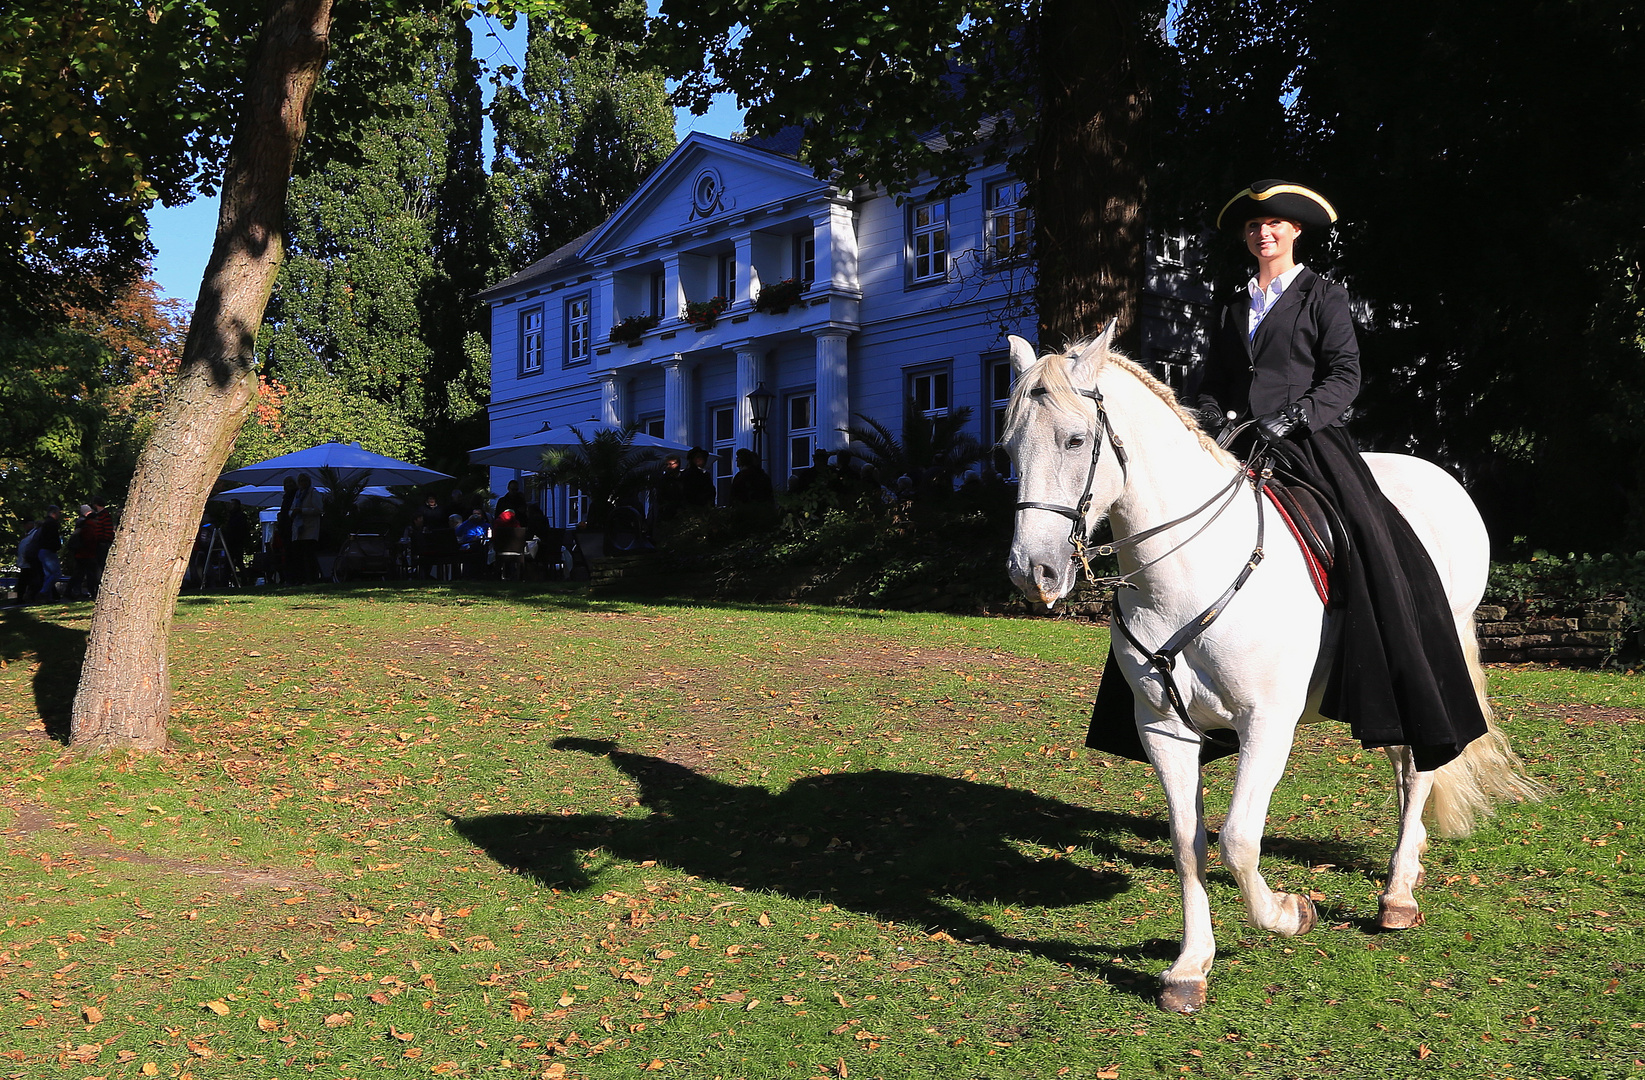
1088	167
124	699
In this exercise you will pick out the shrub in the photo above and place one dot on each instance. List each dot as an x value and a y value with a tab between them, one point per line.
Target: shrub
704	312
779	296
633	328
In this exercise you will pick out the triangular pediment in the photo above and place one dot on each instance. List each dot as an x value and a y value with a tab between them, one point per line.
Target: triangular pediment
706	182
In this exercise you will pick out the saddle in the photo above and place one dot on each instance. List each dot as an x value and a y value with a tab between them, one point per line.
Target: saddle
1314	524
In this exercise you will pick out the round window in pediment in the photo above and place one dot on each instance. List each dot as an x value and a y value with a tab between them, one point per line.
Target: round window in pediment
707	191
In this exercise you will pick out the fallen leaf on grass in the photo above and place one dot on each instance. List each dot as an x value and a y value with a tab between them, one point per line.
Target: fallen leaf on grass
764	920
413	1053
91	1014
339	1019
520	1010
218	1007
554	1071
1109	1074
86	1053
839	997
653	1065
265	1024
201	1050
150	1069
1423	1051
566	998
403	1036
445	1068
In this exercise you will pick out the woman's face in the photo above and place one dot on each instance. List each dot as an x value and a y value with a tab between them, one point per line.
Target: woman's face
1271	238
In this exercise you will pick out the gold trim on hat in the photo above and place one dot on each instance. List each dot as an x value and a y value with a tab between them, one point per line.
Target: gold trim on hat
1279	189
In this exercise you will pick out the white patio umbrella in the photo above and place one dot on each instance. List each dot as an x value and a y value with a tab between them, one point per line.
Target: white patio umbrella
349	459
525	452
264	496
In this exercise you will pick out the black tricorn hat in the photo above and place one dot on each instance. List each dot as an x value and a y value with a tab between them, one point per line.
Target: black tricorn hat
1276	198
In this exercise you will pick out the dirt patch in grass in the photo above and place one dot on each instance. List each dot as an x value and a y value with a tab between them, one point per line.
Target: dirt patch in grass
33	820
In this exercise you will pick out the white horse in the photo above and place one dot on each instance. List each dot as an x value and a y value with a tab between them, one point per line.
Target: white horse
1261	666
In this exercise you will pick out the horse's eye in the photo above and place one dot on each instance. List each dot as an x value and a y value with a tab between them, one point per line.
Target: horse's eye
1076	441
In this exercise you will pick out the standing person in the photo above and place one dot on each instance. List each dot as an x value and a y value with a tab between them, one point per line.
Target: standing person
670	488
28	571
283	549
45	553
458	504
1284	353
751	484
306	509
512	499
99	537
236	534
696	486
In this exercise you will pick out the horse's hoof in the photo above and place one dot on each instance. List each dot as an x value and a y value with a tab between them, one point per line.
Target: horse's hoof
1183	997
1399	915
1303	914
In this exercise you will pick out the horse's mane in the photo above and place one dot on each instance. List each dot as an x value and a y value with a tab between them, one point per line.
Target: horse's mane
1050	373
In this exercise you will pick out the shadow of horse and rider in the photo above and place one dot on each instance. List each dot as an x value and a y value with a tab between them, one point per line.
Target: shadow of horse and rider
902	847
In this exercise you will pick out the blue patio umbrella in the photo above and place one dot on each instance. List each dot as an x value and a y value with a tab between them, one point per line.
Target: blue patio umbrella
525	452
266	496
347	458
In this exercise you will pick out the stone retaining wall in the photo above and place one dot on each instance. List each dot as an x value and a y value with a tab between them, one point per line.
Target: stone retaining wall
1580	634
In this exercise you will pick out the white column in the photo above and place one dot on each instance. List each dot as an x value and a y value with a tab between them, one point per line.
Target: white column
748	282
676	401
833	386
749	374
614	402
842	247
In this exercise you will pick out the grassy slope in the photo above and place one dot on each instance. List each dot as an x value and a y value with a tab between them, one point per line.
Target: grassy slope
480	832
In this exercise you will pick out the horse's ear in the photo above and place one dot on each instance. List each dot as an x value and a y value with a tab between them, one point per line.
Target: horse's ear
1022	354
1105	340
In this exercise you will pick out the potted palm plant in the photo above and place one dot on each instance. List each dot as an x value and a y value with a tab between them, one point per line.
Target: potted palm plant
608	469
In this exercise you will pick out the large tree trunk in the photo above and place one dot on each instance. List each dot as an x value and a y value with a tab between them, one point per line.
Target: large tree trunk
124	698
1088	169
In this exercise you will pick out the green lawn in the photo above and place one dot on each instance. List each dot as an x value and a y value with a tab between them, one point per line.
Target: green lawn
480	832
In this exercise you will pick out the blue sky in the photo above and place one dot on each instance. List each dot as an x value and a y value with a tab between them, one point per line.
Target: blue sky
183	234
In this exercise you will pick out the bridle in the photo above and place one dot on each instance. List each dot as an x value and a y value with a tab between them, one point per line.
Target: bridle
1163	659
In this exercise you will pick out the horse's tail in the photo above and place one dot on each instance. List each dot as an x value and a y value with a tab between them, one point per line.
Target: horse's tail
1467	788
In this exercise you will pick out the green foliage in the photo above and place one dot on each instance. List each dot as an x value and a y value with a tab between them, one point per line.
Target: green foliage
366	303
933	450
105	106
53	423
607	468
844	545
633	328
778	296
584	126
1512	348
323	409
704	312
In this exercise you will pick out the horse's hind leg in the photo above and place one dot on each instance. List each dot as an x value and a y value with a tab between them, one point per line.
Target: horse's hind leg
1262	756
1398	902
1176	760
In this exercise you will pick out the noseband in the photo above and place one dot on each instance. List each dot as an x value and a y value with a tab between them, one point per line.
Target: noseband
1079	535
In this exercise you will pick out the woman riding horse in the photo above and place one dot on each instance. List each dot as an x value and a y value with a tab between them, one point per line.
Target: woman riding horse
1283	353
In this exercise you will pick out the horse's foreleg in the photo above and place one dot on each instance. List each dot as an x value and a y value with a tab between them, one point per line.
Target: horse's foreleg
1263	752
1398	903
1176	760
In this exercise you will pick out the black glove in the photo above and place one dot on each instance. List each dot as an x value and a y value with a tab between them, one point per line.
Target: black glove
1277	425
1212	419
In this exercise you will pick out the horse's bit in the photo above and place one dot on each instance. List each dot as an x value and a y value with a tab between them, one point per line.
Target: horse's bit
1164	658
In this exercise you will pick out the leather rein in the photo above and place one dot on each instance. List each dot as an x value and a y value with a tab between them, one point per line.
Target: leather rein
1163	659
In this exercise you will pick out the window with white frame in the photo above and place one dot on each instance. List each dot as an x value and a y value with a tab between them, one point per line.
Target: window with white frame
928	390
658	290
722	421
802	431
725	282
652	425
578	330
805	257
531	341
1009	225
1168	247
999	378
928	241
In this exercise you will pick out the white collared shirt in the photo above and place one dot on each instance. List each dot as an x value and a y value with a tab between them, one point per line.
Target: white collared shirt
1263	301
